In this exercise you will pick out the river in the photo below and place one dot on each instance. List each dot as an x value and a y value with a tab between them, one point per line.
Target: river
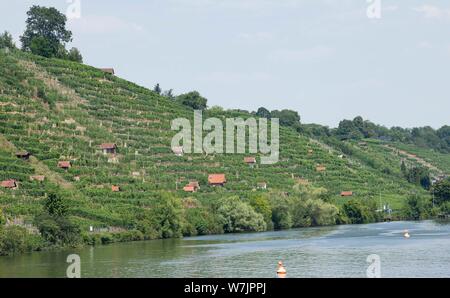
339	251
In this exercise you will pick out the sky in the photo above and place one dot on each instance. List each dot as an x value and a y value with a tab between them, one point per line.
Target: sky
326	59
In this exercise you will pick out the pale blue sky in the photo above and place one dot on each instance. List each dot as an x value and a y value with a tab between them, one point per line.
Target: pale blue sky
323	58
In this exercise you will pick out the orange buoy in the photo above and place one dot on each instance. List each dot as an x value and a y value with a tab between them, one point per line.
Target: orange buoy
281	271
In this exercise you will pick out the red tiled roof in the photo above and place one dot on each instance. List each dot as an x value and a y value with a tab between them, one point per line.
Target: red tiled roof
9	183
115	188
217	179
189	188
346	194
64	164
249	159
108	146
194	184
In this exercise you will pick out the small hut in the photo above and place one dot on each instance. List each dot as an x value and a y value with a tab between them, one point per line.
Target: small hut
108	148
217	179
193	186
64	165
115	188
10	184
108	70
347	194
262	185
23	155
250	160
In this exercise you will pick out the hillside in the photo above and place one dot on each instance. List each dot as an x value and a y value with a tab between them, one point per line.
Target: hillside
63	111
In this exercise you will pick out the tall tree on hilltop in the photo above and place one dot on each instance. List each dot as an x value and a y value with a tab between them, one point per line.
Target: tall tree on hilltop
45	32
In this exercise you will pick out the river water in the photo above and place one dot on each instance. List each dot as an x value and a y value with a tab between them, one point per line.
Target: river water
339	251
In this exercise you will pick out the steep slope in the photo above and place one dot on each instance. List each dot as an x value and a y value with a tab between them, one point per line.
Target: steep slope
63	111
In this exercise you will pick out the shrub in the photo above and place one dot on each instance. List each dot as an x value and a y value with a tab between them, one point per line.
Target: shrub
15	239
239	217
416	207
167	215
359	212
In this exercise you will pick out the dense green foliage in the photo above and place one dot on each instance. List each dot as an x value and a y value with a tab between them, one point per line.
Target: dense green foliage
359	128
6	41
192	99
441	191
46	34
238	216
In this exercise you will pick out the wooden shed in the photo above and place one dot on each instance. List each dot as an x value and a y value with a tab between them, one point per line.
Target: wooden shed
108	148
64	165
11	184
217	179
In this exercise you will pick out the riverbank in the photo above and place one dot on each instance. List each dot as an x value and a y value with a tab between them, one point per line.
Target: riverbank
336	251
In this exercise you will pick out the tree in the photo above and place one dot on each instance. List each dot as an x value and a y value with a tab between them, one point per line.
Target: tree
415	207
240	217
261	204
403	168
48	26
358	212
441	191
419	176
75	55
42	47
263	113
287	118
6	41
167	215
192	99
55	205
347	130
169	94
157	89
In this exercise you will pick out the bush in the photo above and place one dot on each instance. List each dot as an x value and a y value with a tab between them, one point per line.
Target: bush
281	213
201	221
237	216
314	213
15	239
58	231
261	204
416	207
358	212
167	215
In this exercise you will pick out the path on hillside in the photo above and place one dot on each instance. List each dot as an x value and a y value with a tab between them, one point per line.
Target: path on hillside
418	159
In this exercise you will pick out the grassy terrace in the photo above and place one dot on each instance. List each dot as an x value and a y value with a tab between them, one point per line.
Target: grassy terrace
60	110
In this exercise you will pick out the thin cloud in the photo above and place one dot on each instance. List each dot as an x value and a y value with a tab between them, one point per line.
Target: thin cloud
432	12
313	54
97	24
235	77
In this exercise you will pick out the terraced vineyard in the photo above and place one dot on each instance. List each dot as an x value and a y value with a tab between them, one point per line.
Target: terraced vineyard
63	111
